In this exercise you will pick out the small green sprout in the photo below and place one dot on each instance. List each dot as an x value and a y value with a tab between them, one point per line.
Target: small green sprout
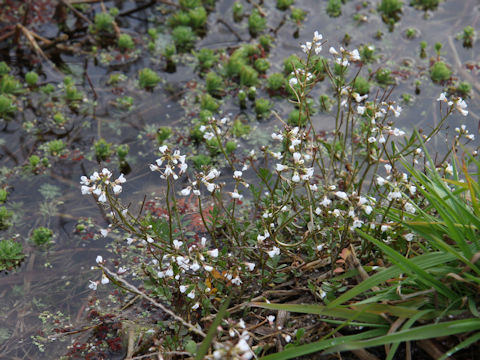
122	151
31	78
295	118
237	11
464	88
334	8
11	254
163	133
209	103
3	195
411	33
42	236
468	36
438	48
201	160
4	68
214	84
59	118
125	102
230	146
147	78
423	47
125	42
103	149
425	4
256	23
6	106
298	15
262	107
183	37
56	147
9	85
284	4
276	81
206	58
265	42
198	17
103	22
252	93
239	129
5	216
248	76
384	77
361	85
262	65
242	96
114	79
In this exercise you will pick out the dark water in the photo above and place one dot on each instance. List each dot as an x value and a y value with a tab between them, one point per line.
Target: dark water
56	279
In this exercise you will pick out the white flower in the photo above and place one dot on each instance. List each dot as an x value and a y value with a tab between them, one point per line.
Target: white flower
442	97
213	253
208	135
412	189
99	259
186	191
306	47
380	181
271	318
409	236
93	285
277	136
449	169
102	198
461	105
163	148
250	266
177	244
149	240
195	306
191	294
361	109
368	209
381	139
237	174
297	157
292	82
195	266
326	201
295	177
280	167
117	189
342	195
336	213
236	195
273	252
320	247
333	51
236	281
384	228
183	288
208	268
354	55
105	280
388	168
104	232
121	179
317	37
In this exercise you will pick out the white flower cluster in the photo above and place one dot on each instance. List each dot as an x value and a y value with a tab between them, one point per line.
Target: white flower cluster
343	57
462	131
98	184
240	351
456	103
315	44
172	160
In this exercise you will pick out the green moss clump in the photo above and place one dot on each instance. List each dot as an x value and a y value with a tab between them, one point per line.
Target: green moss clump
464	88
230	146
391	9
468	36
298	15
284	4
125	42
206	58
122	151
262	107
6	106
4	68
238	11
163	133
262	65
103	22
103	149
276	81
9	85
5	216
214	84
334	8
265	42
256	23
31	78
239	129
384	77
248	76
147	78
209	103
59	118
201	160
183	37
291	63
42	236
190	4
56	147
425	4
11	254
198	17
361	85
440	72
295	118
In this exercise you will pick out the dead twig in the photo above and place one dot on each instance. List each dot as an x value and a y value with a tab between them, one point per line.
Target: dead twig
76	12
137	291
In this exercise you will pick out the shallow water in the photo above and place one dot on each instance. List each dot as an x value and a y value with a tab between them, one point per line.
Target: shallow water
56	278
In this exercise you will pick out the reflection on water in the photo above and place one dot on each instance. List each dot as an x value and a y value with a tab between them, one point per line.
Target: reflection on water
55	279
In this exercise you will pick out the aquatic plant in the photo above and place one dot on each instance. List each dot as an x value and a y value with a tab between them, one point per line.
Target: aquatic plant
103	149
41	236
59	119
262	65
262	107
207	102
265	42
297	15
411	33
56	147
183	37
6	106
242	97
440	72
239	129
198	17
206	58
284	4
464	88
256	23
248	76
238	11
122	151
275	81
425	4
214	84
5	216
361	85
103	22
125	42
467	36
334	8
423	47
31	78
384	77
147	78
297	118
11	254
163	133
391	10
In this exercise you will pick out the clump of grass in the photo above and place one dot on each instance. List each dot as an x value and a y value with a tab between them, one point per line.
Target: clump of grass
103	149
214	84
103	22
425	4
183	37
262	107
6	106
206	58
297	15
238	11
125	42
31	78
384	77
207	102
390	10
467	36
